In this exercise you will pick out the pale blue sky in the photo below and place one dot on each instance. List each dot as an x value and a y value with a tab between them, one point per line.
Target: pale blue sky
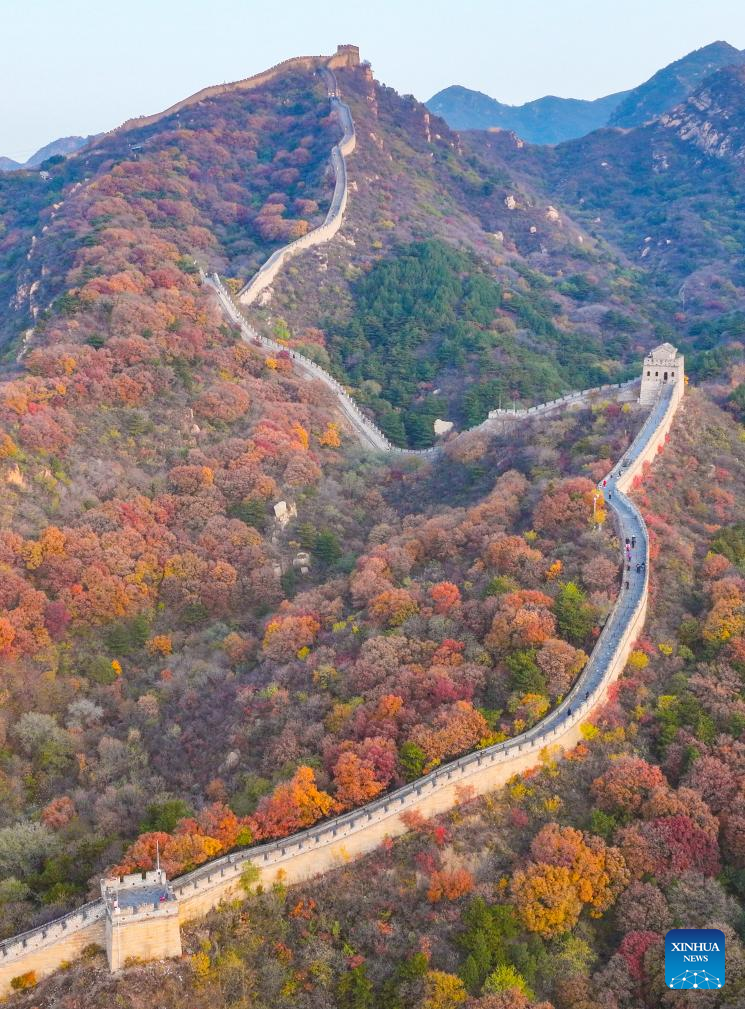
82	66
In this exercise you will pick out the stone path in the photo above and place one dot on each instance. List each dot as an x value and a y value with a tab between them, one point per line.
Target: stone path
605	664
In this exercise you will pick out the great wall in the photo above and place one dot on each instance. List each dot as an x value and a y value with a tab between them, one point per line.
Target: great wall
126	928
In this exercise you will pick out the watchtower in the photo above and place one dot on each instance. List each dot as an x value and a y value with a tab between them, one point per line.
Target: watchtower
141	918
347	55
662	366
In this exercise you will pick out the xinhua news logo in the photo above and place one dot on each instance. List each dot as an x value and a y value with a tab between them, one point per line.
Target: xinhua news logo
694	958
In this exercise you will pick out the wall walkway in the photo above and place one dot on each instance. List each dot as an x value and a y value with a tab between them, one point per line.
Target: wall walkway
335	841
335	215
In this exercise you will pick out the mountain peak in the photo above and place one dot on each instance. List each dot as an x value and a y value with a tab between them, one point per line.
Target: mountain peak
551	120
64	146
672	85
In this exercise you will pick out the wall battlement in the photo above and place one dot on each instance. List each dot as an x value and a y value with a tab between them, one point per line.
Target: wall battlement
345	56
151	928
330	844
141	918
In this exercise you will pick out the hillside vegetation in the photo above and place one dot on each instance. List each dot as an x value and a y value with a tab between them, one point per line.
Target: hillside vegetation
170	674
556	891
221	622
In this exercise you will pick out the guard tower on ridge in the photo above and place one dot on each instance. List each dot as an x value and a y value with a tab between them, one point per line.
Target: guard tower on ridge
662	366
142	917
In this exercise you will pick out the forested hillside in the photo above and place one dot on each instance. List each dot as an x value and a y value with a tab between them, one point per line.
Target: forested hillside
221	621
424	214
670	196
556	892
169	668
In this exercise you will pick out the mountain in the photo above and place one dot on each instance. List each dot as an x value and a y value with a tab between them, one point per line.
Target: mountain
546	120
713	119
64	146
669	197
221	620
671	85
551	120
155	616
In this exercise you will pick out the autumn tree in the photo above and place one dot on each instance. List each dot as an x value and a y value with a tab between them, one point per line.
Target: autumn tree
292	806
567	872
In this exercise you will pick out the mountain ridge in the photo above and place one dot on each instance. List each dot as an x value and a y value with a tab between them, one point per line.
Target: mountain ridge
63	145
552	120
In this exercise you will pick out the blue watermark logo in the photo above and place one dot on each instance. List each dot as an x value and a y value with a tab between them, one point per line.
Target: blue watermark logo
694	958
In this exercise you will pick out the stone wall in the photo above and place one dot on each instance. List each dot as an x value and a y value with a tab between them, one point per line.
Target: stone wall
352	834
43	950
335	215
342	58
148	935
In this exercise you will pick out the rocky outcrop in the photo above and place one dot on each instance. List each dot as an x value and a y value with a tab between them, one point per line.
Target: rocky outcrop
713	118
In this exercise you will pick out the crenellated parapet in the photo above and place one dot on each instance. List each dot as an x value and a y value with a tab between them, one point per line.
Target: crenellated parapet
268	272
345	56
141	918
139	914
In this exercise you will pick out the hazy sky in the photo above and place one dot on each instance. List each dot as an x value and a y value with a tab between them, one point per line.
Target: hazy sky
82	66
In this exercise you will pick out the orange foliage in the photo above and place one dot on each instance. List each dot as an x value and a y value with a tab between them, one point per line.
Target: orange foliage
59	812
392	607
569	871
459	727
523	620
331	437
444	595
285	636
565	506
449	885
726	618
161	644
292	806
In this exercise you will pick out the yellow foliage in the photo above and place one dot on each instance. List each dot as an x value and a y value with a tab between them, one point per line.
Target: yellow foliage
589	731
271	363
331	437
8	447
301	435
666	701
665	648
442	990
554	571
33	554
548	901
21	982
161	644
117	667
638	660
200	964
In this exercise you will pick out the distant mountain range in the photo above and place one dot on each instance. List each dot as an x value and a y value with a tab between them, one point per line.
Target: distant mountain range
551	120
64	145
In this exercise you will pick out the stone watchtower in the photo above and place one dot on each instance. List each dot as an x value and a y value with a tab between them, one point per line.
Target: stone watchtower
346	56
141	918
662	366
